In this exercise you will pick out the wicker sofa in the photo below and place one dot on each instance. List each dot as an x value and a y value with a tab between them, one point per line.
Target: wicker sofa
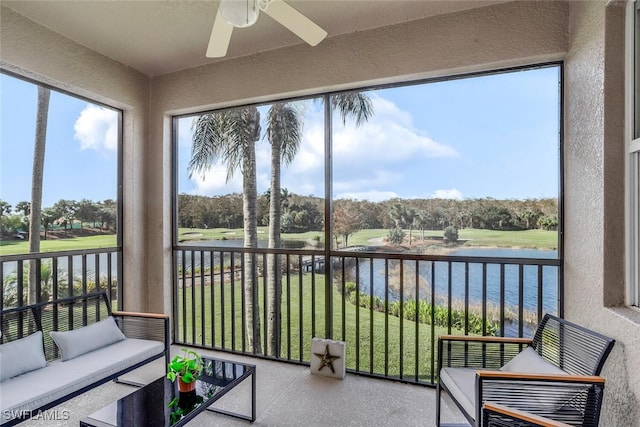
53	351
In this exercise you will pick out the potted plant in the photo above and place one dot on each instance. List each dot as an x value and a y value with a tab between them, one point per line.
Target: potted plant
186	367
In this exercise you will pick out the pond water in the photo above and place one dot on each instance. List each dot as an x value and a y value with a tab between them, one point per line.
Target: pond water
438	278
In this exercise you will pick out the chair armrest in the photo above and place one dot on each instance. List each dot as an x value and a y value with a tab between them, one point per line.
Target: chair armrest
574	399
527	376
495	415
480	352
486	339
150	326
136	314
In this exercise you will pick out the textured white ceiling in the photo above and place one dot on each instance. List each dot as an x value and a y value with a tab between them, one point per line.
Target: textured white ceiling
157	37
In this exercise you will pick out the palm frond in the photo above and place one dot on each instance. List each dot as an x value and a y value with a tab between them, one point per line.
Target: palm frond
285	124
215	137
354	105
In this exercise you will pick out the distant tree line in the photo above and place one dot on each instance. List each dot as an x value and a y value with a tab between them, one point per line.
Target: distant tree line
63	214
306	213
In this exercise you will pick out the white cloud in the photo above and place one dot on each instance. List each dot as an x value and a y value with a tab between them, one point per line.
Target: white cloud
448	194
213	182
389	137
97	128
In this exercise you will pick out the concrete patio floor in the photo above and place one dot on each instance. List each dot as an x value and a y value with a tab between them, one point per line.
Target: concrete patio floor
287	395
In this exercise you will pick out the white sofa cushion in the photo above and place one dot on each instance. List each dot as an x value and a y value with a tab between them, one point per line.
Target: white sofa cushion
20	356
58	379
88	338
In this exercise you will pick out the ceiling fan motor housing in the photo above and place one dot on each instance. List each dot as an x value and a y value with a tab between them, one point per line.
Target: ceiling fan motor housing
240	13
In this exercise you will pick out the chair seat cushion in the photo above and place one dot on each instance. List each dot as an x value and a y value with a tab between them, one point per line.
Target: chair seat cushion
461	384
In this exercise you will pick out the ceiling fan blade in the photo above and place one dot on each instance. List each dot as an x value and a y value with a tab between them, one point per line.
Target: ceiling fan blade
295	21
220	37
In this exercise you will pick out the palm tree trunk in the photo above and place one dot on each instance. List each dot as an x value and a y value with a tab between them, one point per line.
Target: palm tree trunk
274	280
36	187
249	207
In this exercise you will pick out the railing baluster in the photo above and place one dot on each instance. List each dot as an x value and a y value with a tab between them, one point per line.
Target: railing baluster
96	272
540	297
401	332
433	320
386	317
449	296
183	293
265	297
357	337
417	324
223	319
502	266
212	290
371	316
344	305
313	291
203	305
301	335
484	298
520	300
288	316
466	298
2	293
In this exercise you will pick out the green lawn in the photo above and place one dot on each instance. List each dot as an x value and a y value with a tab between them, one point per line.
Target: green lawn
12	247
540	239
365	352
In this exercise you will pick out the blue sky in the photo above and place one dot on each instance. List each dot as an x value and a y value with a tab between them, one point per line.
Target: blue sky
490	136
81	152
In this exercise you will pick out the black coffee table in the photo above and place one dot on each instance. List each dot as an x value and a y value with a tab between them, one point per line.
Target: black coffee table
160	404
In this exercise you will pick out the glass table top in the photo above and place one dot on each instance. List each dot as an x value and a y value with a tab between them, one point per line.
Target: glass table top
160	404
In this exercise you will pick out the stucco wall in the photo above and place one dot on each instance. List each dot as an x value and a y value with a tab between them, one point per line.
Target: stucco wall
33	51
594	198
587	34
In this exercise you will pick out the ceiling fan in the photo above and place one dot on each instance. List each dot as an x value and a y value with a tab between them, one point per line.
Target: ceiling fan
244	13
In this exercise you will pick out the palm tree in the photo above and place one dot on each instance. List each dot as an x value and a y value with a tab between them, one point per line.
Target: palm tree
284	132
230	136
24	207
44	95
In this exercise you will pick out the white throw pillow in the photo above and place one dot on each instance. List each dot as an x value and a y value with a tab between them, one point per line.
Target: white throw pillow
21	356
530	362
88	338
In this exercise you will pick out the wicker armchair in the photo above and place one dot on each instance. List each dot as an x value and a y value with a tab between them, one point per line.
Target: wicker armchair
553	375
494	415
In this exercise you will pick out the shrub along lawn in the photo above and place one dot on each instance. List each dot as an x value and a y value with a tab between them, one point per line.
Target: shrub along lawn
394	355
